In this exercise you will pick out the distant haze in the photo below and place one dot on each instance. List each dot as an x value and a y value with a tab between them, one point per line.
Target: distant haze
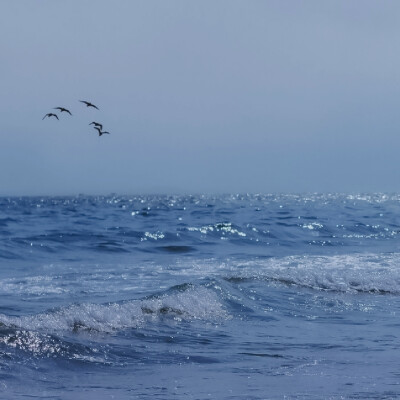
200	96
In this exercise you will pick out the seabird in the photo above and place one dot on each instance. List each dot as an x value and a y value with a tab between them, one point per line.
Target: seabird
62	109
50	115
100	131
96	124
88	104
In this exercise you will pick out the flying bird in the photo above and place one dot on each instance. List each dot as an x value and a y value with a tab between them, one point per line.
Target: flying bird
100	131
62	109
88	104
50	115
96	124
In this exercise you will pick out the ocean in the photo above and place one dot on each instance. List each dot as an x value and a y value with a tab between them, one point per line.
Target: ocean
200	297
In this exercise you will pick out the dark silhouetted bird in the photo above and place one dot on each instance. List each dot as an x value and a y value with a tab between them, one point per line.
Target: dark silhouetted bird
96	124
62	109
49	115
100	131
88	104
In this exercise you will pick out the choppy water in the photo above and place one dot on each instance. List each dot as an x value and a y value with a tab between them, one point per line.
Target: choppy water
196	297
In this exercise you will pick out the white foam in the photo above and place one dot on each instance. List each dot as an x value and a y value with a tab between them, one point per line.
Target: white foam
32	285
222	228
378	273
33	342
190	304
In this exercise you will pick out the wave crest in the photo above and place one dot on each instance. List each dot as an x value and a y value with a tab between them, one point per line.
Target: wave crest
194	303
369	273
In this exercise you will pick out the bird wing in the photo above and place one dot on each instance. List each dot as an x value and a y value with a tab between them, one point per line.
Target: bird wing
54	115
83	101
45	116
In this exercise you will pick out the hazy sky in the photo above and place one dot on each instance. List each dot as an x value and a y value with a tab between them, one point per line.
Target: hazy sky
200	96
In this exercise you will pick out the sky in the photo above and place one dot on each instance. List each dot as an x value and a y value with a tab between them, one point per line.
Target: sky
210	96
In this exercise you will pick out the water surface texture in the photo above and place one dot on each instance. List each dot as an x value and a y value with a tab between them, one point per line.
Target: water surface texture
200	297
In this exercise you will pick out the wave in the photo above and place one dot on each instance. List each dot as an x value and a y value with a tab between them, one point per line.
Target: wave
76	332
190	303
356	273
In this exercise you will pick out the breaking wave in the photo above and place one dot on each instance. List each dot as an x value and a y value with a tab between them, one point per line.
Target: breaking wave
369	273
189	303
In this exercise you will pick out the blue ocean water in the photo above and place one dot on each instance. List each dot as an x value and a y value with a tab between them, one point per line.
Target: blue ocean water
200	297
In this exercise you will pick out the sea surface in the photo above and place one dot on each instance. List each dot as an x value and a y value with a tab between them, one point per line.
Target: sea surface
200	297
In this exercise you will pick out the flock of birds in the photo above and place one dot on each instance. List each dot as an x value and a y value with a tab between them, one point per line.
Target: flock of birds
96	125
